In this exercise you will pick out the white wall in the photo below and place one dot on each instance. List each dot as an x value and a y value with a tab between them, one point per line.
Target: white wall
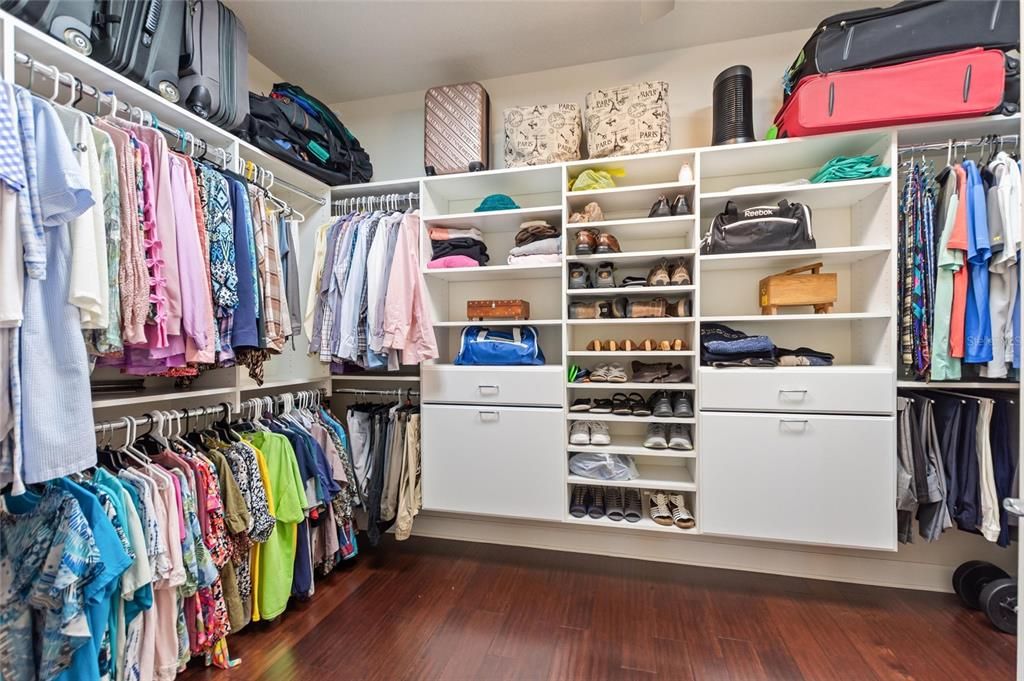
391	128
261	78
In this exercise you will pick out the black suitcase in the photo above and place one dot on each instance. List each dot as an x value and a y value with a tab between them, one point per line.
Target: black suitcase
214	69
67	20
908	30
141	39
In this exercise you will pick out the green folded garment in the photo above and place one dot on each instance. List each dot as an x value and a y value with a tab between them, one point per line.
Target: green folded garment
850	168
496	202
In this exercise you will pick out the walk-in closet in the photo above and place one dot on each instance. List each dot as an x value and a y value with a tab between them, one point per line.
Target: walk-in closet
510	340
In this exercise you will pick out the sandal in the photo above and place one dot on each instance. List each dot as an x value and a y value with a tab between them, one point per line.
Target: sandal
617	373
678	274
602	405
633	506
648	344
674	345
627	345
578	505
621	404
599	374
594	346
638	405
658	508
581	404
614	504
682	518
607	243
658	276
604	276
586	241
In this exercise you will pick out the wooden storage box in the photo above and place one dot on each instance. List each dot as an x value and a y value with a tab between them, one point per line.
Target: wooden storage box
793	287
497	309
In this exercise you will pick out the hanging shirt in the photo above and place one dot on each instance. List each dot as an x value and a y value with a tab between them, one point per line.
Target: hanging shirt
958	242
277	555
945	367
246	315
978	325
108	340
54	366
50	555
1005	229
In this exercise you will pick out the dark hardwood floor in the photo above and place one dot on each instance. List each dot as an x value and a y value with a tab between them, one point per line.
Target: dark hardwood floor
432	609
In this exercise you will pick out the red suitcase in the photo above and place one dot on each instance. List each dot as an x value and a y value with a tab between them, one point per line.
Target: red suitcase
973	82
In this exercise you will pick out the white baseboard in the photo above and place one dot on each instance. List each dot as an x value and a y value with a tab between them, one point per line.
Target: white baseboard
916	566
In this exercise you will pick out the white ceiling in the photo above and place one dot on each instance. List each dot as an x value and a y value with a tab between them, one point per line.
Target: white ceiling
343	50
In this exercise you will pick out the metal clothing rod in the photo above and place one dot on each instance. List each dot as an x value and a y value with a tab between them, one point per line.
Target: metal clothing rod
267	179
955	143
147	419
117	106
370	201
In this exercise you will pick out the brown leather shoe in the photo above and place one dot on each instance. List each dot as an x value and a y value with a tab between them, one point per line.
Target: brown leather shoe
607	243
586	241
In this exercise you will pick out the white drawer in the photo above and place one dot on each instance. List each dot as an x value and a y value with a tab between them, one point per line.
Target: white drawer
503	461
830	390
526	385
827	480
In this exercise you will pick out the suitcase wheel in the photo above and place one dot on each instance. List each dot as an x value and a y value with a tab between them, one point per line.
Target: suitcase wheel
78	41
476	166
168	90
429	170
199	101
971	577
999	602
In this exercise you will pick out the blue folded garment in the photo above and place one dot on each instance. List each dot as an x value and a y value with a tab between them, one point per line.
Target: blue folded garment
743	346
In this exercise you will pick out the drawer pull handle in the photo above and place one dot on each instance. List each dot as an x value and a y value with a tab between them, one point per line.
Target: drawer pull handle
488	389
794	422
798	391
488	416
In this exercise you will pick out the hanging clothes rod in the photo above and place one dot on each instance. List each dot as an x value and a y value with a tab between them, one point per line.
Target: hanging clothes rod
81	88
147	419
953	144
370	201
267	179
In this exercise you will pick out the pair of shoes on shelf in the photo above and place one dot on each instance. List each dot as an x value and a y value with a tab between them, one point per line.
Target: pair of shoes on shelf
590	213
581	277
608	373
664	274
668	436
578	374
591	242
663	209
597	502
621	404
623	308
646	345
589	433
669	508
664	404
659	372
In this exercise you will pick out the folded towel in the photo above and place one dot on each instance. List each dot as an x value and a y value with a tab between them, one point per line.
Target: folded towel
552	245
535	259
452	261
445	233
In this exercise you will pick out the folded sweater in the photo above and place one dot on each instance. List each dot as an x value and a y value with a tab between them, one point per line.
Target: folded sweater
535	259
552	245
451	261
472	248
445	233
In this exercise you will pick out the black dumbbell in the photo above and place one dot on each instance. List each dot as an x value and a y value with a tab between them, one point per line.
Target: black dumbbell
987	587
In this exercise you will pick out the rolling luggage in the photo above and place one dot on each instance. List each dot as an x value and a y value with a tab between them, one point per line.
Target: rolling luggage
214	68
455	129
141	39
908	30
974	82
67	20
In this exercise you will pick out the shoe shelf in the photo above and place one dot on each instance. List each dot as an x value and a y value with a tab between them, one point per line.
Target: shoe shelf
630	386
818	196
499	322
829	257
634	257
497	220
641	169
645	523
641	354
631	291
668	477
632	445
801	317
648	228
632	320
625	418
495	273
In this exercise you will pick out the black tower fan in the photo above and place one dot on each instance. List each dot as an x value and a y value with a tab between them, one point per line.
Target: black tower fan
733	107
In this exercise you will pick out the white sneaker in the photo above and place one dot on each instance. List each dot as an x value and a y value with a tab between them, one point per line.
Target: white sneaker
679	437
579	433
599	433
685	173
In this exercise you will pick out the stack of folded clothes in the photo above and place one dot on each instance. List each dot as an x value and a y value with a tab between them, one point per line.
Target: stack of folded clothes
722	346
537	243
456	247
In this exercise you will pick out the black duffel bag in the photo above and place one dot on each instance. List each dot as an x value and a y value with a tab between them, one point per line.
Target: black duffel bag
301	131
762	228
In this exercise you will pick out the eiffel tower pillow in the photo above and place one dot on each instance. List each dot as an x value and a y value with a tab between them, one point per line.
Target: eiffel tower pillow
632	119
546	133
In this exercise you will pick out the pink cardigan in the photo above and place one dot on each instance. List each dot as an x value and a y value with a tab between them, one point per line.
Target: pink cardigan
408	324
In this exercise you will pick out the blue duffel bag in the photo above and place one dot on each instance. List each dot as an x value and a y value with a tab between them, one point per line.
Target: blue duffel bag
511	346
